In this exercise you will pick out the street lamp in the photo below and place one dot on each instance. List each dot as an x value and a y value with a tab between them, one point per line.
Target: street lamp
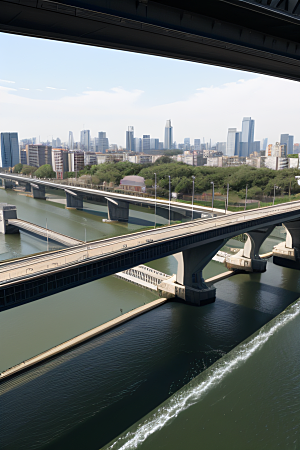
155	201
275	187
227	198
193	197
246	197
169	199
213	195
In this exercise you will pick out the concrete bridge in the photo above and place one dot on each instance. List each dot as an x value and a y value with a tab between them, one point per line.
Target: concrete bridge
117	204
194	244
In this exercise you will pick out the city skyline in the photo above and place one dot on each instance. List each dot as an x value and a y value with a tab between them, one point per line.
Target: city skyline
200	100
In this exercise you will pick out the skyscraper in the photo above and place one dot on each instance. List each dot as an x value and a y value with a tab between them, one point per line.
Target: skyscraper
168	135
130	139
197	144
238	138
288	140
263	144
146	142
85	140
71	140
9	149
230	151
187	143
138	145
247	136
103	143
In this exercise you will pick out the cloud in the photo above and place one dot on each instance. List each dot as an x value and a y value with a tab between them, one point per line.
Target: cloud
24	89
55	89
7	81
207	112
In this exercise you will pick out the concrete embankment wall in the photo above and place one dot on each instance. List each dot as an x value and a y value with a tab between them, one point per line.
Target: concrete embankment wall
81	338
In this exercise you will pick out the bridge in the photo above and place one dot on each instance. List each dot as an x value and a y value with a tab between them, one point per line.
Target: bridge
194	244
254	35
117	204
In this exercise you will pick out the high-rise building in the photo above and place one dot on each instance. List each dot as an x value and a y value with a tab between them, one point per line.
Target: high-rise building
197	144
230	151
154	143
168	135
146	142
138	145
186	143
9	149
60	162
247	136
237	147
71	140
263	144
76	160
130	139
221	147
38	155
103	143
85	140
288	140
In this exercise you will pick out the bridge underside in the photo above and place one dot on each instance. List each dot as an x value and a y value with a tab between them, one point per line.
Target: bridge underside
252	35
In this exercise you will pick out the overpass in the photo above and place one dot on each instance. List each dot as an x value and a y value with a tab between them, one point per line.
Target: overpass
254	35
117	204
194	244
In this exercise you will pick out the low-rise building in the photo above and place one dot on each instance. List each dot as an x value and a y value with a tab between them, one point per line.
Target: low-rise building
60	162
133	183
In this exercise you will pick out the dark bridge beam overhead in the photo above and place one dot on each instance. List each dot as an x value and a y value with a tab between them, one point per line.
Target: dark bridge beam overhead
254	35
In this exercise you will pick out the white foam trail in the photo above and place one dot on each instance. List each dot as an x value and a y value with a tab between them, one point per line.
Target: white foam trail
189	395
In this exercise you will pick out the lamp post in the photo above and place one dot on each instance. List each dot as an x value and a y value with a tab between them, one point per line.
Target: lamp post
213	195
227	198
246	197
155	201
193	197
169	200
275	187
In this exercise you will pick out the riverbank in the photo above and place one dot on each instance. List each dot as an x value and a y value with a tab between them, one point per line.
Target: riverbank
81	338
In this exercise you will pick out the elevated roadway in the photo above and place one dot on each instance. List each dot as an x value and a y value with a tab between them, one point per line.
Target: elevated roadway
194	243
254	35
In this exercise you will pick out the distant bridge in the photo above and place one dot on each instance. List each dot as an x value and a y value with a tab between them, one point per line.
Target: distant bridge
117	204
194	244
254	35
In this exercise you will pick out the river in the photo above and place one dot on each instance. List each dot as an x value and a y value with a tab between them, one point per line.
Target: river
222	376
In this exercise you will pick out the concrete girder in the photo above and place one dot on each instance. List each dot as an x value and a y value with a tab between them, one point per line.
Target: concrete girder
248	259
118	210
287	253
191	263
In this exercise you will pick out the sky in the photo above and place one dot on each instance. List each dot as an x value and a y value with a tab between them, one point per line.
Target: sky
48	88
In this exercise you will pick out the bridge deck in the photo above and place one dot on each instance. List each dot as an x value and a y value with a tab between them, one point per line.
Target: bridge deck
43	232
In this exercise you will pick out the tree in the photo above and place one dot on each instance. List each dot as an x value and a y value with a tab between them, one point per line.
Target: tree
28	170
18	168
45	171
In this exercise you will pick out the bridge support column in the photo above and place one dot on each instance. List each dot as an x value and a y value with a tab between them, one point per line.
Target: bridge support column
38	191
7	184
7	212
118	210
27	187
287	254
190	285
248	258
73	200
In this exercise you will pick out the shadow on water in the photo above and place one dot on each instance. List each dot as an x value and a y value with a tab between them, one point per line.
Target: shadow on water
85	398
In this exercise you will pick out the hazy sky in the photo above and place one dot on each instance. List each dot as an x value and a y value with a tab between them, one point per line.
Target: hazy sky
48	88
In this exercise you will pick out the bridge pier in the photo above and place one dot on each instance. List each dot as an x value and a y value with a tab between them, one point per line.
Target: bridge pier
7	212
189	284
27	187
248	259
7	184
287	254
118	210
38	191
73	200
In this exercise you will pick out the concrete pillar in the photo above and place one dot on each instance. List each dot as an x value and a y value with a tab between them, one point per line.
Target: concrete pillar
7	184
118	210
7	212
27	187
287	254
248	258
189	273
38	191
73	200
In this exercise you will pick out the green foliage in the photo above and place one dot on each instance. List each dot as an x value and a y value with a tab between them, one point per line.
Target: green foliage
45	171
69	175
172	152
18	168
293	155
28	170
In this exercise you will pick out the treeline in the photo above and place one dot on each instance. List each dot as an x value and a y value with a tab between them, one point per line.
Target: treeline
44	171
259	181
